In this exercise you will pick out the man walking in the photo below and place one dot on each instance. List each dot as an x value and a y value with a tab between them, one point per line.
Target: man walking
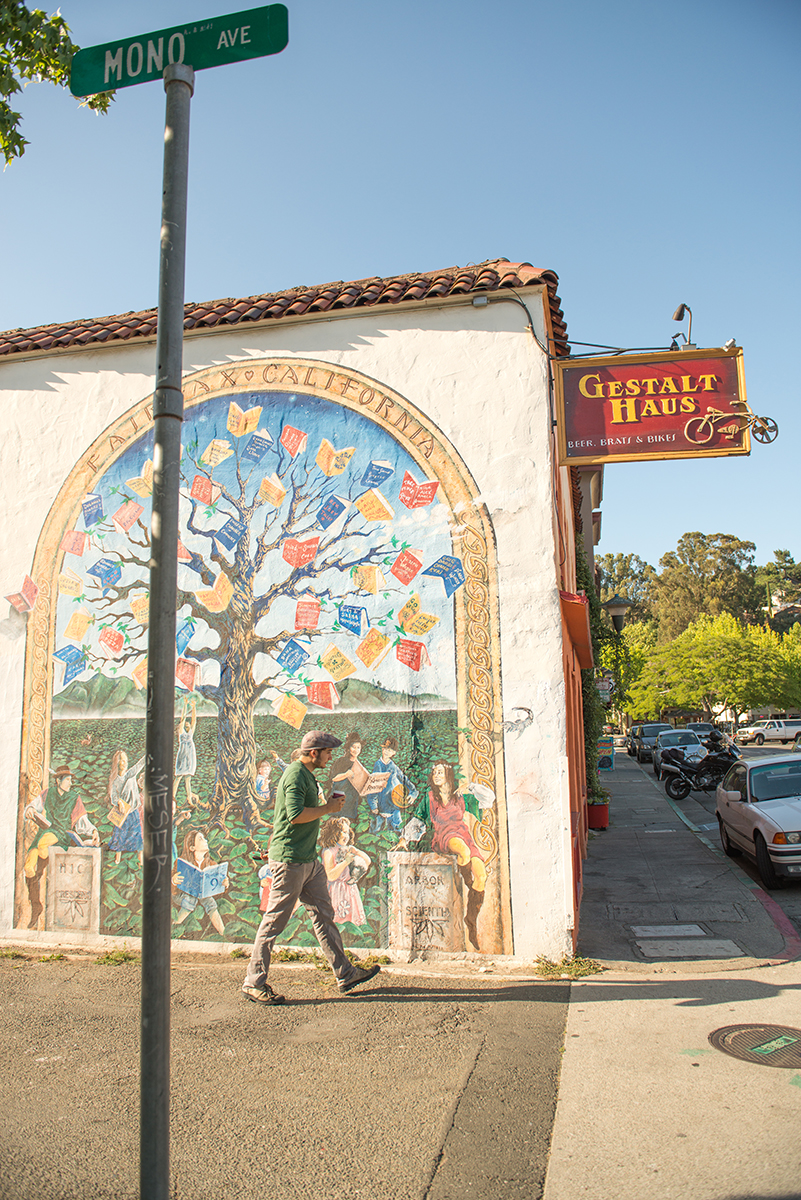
297	873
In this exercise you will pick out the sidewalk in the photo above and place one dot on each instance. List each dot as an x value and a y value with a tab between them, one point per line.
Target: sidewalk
647	1107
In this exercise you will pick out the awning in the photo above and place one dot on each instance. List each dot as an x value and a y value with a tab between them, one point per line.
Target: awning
576	612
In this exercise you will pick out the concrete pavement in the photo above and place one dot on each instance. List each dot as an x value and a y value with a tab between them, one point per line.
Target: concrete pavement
440	1081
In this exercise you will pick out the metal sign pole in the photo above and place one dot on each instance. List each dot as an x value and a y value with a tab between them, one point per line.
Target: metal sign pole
168	408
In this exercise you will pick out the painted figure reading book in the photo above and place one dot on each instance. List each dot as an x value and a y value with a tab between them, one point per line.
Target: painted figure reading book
199	880
398	792
125	806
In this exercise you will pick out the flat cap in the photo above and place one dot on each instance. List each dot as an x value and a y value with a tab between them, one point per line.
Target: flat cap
316	739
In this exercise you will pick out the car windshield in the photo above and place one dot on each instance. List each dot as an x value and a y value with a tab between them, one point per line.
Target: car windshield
652	730
679	739
758	725
777	782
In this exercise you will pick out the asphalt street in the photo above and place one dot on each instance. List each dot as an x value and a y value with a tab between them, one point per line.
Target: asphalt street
420	1086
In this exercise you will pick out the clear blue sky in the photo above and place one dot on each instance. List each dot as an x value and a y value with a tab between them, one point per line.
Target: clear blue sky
647	152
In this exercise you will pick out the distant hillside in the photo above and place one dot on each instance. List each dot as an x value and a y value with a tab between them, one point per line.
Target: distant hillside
104	696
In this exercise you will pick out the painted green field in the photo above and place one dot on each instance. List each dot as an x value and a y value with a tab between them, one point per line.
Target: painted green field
87	746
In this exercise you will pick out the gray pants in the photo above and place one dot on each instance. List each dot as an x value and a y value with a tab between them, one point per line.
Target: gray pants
307	883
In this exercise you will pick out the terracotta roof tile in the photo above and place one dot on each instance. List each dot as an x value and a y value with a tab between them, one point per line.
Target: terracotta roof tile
492	276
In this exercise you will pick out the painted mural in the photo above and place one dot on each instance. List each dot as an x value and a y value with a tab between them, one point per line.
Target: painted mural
334	571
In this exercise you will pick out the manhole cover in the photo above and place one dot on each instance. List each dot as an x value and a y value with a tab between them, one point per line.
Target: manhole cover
768	1045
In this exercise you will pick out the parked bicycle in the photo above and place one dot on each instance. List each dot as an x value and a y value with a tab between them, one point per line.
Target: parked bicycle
732	425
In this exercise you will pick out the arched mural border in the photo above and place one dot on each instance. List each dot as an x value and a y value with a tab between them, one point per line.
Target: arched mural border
478	660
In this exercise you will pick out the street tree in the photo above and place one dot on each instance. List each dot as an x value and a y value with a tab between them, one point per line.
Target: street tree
629	576
706	575
33	48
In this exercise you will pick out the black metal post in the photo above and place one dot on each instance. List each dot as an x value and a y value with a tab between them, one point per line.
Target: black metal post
168	408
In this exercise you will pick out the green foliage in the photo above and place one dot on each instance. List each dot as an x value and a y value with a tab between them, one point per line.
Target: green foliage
628	576
592	705
116	958
33	47
716	661
706	575
53	958
568	968
10	952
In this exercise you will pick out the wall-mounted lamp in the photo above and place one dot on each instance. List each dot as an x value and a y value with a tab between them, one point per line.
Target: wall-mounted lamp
617	607
679	315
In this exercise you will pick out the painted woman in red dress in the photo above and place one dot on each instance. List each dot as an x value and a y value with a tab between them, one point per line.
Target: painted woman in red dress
452	835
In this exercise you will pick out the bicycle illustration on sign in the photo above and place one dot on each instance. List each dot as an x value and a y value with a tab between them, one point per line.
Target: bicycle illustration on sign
732	425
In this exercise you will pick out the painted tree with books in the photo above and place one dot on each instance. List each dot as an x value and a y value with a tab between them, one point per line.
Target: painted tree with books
280	549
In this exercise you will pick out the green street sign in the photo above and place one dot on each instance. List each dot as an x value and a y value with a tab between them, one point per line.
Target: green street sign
199	44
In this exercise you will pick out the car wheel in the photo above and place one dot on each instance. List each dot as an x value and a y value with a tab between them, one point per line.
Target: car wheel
677	789
759	740
728	849
765	867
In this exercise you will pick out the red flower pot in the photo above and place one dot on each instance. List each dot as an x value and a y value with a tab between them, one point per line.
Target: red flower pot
598	816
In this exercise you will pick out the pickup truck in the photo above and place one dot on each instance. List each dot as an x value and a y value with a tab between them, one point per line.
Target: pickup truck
772	730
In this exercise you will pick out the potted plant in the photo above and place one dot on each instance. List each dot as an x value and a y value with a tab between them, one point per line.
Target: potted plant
598	809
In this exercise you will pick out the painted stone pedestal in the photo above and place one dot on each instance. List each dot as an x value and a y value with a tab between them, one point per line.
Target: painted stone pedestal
73	890
425	903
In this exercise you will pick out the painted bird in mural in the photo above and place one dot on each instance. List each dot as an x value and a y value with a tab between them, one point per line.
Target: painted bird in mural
521	723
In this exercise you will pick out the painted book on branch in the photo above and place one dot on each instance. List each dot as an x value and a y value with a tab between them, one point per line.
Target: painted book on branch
140	608
307	614
107	570
204	490
183	635
297	554
183	553
412	654
374	507
111	642
368	578
377	473
289	709
407	565
216	452
332	461
74	542
231	533
331	511
417	495
373	649
293	440
139	674
272	490
449	570
239	422
413	620
127	515
70	584
92	509
257	447
77	626
72	662
292	657
218	597
25	598
201	882
353	618
187	673
323	694
337	664
143	484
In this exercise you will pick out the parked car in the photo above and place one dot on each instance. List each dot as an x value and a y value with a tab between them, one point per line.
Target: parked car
772	730
688	742
702	728
630	736
758	806
645	740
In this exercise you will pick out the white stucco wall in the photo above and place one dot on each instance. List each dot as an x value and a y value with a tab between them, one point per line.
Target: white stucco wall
481	378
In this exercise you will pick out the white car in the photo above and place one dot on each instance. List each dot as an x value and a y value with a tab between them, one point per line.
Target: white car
758	806
769	730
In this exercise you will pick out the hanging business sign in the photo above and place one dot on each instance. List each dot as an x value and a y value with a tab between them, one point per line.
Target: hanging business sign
635	407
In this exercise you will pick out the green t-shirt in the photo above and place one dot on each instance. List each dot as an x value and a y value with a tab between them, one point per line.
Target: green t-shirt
297	790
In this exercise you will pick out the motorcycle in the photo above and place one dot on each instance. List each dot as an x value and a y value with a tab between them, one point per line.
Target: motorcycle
685	775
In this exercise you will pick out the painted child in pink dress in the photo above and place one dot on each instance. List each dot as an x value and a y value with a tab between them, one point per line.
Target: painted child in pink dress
344	865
